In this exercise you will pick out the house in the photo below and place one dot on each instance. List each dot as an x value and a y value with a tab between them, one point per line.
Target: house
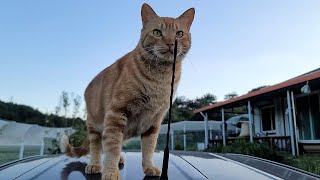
286	114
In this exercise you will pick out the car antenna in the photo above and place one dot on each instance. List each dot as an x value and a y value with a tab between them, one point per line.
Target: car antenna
164	174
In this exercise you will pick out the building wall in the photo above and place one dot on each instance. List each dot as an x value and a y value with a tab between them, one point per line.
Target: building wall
256	119
280	122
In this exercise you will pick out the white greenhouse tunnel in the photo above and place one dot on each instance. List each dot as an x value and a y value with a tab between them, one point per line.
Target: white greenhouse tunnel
194	126
21	134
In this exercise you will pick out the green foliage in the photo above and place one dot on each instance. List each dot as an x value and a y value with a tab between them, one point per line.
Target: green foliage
29	115
133	144
182	108
310	163
53	147
80	135
253	149
230	95
21	113
258	88
205	100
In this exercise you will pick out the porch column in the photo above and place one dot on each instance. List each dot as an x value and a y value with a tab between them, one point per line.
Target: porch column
291	125
295	122
206	141
223	128
250	121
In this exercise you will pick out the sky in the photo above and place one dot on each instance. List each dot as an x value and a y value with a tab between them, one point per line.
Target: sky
50	46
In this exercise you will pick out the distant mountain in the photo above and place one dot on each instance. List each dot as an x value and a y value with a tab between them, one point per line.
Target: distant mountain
27	114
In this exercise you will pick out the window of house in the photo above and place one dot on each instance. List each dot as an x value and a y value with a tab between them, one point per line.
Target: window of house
268	118
308	116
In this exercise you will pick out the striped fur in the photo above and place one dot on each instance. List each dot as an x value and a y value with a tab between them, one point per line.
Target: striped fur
131	97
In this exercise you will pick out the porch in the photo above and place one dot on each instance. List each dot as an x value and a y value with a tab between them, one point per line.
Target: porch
286	115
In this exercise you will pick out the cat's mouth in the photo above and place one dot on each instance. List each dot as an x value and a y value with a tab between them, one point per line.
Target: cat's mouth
167	52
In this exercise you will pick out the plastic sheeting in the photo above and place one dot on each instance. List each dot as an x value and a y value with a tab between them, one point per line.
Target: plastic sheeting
13	133
192	126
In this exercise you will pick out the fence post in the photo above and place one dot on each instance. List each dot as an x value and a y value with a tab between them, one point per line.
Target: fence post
42	147
223	128
172	140
184	138
21	148
250	121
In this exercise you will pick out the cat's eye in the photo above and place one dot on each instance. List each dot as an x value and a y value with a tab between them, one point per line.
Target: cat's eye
179	34
157	33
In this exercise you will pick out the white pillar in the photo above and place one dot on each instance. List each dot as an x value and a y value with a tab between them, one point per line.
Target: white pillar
206	137
206	141
184	138
42	147
295	122
291	125
210	132
172	140
223	128
250	121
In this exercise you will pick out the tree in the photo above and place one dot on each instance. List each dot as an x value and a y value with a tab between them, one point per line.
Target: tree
85	113
205	100
182	108
65	104
258	88
230	95
76	105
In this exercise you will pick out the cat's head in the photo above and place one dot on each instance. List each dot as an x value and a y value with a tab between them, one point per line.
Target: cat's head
158	35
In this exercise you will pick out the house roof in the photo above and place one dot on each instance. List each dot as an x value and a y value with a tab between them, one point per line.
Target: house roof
300	79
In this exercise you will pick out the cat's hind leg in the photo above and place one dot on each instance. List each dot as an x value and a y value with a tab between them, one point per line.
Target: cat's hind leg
95	151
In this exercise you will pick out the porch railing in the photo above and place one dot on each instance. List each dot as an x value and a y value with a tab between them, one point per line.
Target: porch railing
279	143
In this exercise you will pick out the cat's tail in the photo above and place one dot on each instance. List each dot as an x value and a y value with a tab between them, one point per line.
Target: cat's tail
71	151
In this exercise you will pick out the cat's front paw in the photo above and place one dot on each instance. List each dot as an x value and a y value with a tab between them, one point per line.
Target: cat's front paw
152	171
93	169
111	175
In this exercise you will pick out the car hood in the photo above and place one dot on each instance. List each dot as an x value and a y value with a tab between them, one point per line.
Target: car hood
181	166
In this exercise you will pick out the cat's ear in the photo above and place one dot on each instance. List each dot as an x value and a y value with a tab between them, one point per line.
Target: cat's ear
147	13
187	17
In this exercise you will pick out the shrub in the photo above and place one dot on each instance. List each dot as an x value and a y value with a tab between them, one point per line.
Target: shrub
79	136
253	149
309	164
133	144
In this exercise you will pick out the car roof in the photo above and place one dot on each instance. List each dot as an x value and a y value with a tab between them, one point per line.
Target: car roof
182	165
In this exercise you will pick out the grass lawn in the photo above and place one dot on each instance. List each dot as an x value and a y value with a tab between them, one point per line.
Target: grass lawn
11	153
8	153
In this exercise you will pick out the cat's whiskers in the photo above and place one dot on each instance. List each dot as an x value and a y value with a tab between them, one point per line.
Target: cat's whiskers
150	55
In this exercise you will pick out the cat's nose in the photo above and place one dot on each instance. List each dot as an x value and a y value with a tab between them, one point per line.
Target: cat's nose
171	47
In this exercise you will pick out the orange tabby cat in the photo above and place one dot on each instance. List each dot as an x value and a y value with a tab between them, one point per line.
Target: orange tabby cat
131	97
